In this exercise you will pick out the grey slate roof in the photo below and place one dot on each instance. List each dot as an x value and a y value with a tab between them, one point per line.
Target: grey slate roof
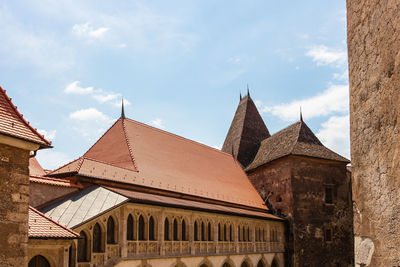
297	139
83	206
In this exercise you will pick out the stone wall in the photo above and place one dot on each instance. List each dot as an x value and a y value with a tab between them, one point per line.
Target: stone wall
42	193
14	197
374	69
297	188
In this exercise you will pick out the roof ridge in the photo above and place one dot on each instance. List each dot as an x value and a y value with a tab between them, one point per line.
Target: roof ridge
129	145
107	163
57	223
180	137
22	118
244	120
297	137
68	163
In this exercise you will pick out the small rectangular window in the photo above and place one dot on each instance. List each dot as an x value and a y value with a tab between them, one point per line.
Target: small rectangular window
328	195
328	235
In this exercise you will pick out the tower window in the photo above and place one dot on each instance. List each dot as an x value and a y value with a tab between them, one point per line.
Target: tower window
328	195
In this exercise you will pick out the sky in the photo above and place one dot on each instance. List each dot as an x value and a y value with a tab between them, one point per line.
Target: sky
179	65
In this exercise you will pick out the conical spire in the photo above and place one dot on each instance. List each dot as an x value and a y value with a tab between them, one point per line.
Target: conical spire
246	132
301	115
122	110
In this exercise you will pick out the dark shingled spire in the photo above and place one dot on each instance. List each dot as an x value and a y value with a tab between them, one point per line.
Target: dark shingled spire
122	110
246	132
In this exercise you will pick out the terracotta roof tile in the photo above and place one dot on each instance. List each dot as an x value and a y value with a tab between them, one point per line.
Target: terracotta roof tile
53	181
13	124
297	139
41	226
35	169
161	160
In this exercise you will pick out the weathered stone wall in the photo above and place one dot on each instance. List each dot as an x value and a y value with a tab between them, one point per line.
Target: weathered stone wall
298	184
42	193
374	69
14	197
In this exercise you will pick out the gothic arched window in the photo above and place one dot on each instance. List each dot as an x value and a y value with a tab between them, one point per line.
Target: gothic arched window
219	232
82	247
209	232
203	230
195	232
129	228
260	264
175	230
239	236
225	235
97	239
230	233
183	233
243	234
110	231
166	229
151	229
141	228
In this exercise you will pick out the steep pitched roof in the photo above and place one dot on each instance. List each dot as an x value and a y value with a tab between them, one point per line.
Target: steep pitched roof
13	124
157	159
35	169
297	139
246	132
41	226
83	206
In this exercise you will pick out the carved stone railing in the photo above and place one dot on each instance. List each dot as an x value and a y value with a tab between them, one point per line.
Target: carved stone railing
98	258
143	248
276	246
112	251
176	247
83	264
204	247
224	247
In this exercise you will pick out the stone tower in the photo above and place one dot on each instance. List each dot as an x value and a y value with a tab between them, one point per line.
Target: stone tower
373	28
17	140
304	182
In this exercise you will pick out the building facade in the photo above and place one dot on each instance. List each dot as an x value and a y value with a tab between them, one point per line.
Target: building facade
302	181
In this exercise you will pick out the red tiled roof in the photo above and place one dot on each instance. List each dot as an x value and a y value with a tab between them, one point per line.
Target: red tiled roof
53	181
13	124
158	159
41	226
35	169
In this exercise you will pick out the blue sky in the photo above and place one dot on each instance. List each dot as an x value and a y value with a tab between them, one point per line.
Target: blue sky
180	65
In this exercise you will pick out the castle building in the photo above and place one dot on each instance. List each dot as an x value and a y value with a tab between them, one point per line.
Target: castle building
141	196
302	180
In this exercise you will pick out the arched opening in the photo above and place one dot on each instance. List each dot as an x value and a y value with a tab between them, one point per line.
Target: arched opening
83	247
166	229
239	236
141	228
72	255
97	238
195	232
243	234
225	234
38	261
129	228
219	232
203	234
274	263
151	229
260	264
230	233
110	231
226	265
209	232
175	234
183	232
244	264
263	235
248	234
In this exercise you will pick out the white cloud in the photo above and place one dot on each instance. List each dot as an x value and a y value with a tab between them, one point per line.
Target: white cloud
74	88
102	98
344	76
86	30
159	123
217	147
323	55
51	159
50	135
88	114
234	60
335	134
332	100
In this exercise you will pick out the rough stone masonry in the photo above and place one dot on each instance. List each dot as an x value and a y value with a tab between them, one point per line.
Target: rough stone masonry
373	29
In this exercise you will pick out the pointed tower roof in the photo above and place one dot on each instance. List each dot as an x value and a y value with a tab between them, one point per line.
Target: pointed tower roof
13	124
246	132
297	139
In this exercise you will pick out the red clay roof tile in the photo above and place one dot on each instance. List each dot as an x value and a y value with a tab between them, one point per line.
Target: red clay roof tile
41	226
13	124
